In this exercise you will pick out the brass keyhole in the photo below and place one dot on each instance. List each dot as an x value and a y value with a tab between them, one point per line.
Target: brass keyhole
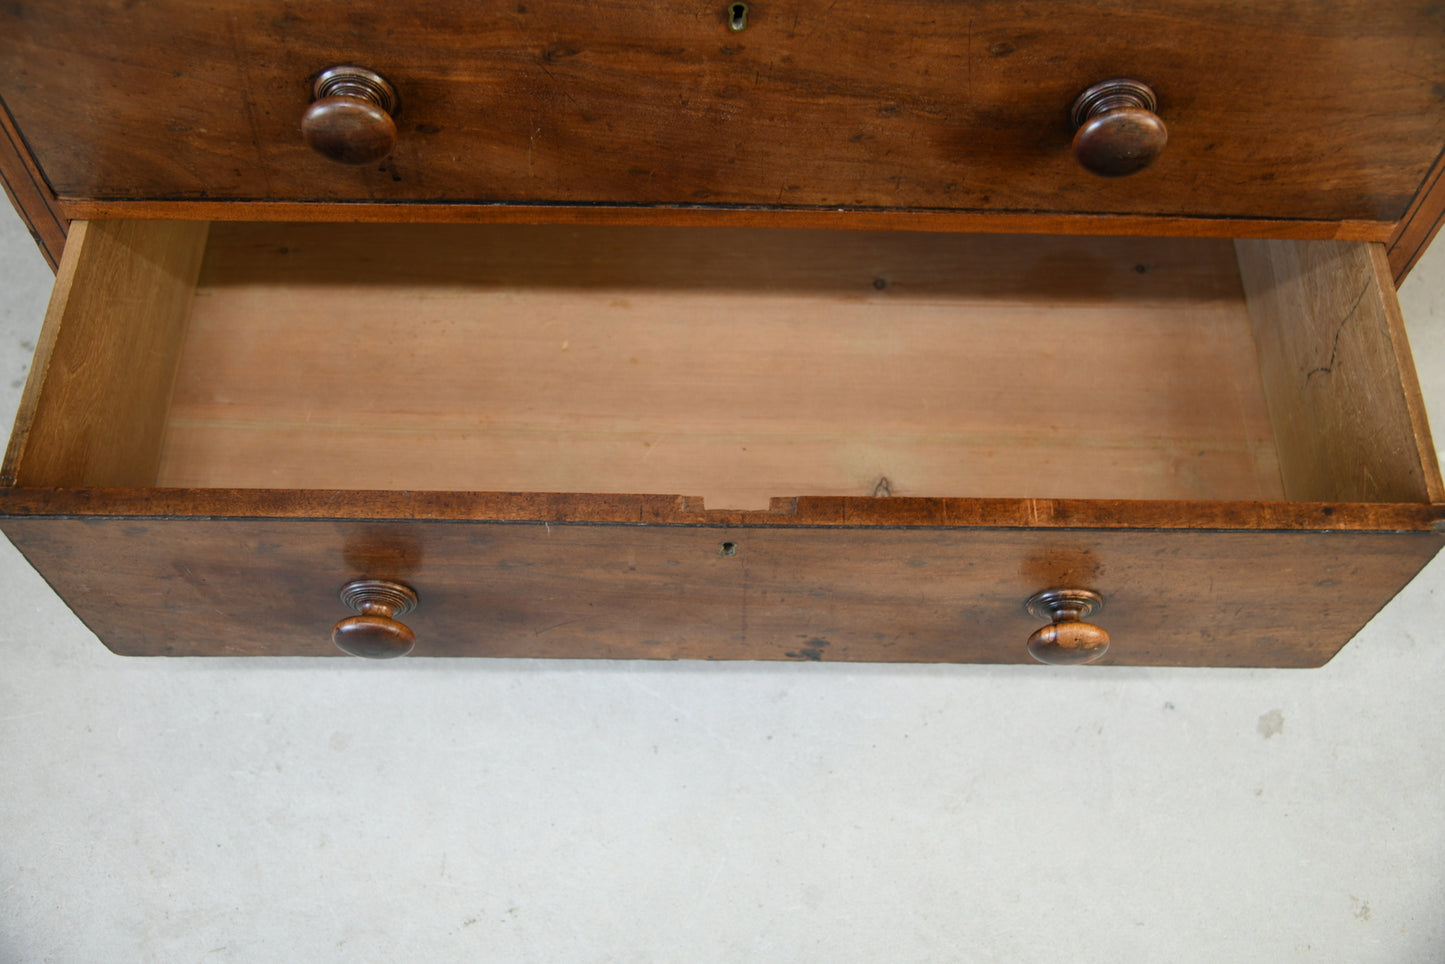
738	17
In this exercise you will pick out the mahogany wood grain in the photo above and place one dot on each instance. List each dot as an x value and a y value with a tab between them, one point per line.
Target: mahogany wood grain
95	402
892	219
28	193
738	365
1277	109
1349	421
190	587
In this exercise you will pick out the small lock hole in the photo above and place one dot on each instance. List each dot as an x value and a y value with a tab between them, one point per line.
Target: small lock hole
727	548
737	16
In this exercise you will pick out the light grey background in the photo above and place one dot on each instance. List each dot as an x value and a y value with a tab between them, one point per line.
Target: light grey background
287	810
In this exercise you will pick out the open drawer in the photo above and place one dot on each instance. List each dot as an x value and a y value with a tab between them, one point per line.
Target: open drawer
727	443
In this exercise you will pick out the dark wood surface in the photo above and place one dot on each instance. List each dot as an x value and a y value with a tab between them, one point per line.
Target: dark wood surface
29	194
1276	110
1118	132
269	587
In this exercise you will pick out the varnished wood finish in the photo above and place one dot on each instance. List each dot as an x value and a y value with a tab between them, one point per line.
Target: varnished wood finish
1068	643
348	130
733	365
977	222
1067	640
932	116
28	193
1277	110
350	120
1349	421
1118	133
158	587
375	632
95	402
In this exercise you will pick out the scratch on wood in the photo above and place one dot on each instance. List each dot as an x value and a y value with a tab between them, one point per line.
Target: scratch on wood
969	54
547	629
1329	367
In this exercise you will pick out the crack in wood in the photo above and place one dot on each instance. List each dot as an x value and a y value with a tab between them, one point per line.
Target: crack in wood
1329	367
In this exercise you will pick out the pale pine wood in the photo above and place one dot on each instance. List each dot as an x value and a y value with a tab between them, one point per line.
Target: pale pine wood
93	411
737	365
1342	390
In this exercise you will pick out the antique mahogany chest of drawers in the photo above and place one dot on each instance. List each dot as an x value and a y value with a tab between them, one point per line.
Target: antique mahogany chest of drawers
926	330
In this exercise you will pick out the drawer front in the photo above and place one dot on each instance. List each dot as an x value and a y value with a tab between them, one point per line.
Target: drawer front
269	587
1279	110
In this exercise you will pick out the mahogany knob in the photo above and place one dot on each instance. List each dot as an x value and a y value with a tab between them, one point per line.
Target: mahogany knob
1116	131
1067	639
375	633
349	119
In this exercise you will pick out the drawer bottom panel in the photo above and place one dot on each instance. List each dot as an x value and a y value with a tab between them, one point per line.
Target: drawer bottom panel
187	587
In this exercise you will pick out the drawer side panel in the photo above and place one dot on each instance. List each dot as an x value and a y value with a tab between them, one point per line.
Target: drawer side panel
1349	421
96	398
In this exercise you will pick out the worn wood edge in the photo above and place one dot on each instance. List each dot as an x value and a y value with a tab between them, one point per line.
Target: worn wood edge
1420	224
664	510
984	222
1409	379
28	192
31	227
116	319
44	349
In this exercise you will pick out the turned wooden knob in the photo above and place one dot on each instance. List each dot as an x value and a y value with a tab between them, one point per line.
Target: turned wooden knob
1116	131
349	119
375	633
1067	639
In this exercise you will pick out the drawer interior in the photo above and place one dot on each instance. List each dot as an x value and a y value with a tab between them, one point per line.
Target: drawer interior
734	364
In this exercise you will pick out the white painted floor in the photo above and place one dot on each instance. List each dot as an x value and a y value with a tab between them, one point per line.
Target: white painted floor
311	810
